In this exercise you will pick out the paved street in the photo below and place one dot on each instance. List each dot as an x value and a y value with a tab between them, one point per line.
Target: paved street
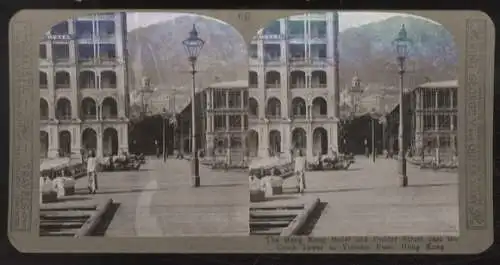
159	201
366	200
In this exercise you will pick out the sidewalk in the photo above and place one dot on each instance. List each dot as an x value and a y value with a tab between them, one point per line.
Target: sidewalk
367	200
161	202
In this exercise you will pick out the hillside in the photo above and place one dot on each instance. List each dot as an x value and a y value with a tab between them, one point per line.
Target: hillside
156	51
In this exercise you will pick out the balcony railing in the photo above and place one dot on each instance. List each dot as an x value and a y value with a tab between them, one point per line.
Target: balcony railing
319	116
273	85
253	85
107	36
298	85
318	35
296	35
44	86
44	117
318	85
107	59
63	86
63	117
299	115
268	59
273	116
61	59
110	116
89	117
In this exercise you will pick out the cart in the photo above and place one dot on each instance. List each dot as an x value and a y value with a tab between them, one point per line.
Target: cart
266	177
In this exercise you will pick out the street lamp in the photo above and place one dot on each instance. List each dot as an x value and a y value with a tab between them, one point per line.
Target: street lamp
193	45
373	116
401	44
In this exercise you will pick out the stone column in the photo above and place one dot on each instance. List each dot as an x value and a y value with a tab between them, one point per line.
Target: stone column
100	139
418	121
76	140
123	138
53	141
309	141
264	140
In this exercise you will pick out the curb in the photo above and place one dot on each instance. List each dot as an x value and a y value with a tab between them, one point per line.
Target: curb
91	224
299	221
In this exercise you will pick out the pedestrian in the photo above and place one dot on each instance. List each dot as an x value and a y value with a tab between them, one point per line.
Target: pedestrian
300	168
367	149
228	159
157	146
92	172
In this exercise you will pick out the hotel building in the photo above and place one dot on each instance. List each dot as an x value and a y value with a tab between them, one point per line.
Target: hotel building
83	86
293	86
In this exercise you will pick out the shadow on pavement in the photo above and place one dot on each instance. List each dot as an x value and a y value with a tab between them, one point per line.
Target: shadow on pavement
279	198
336	190
432	185
222	185
312	219
106	220
120	191
69	199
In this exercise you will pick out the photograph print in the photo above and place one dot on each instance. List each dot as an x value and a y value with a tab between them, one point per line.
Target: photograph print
324	124
117	127
331	152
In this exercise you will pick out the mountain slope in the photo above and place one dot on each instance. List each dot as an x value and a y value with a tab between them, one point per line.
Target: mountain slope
156	51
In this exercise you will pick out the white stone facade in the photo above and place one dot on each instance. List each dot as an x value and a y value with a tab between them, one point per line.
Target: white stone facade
83	86
293	94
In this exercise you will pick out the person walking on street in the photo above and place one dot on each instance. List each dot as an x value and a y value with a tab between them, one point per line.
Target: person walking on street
367	149
300	169
157	146
92	172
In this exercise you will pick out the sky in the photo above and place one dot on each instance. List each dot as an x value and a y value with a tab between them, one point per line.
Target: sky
346	19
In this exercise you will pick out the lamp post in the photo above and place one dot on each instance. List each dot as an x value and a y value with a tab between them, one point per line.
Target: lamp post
401	45
164	134
193	45
373	118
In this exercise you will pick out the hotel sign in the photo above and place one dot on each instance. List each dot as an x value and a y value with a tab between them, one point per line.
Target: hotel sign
270	37
59	37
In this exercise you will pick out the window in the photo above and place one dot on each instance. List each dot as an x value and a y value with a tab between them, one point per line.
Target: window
107	51
234	99
43	51
235	122
429	100
444	98
85	52
220	122
60	52
219	99
455	97
444	121
253	51
444	142
106	28
429	122
84	29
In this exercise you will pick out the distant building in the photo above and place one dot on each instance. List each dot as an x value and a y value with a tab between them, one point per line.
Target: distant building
221	120
227	121
431	118
434	116
83	86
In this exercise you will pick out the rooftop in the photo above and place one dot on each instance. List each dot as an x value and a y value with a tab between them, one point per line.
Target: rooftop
230	84
440	84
